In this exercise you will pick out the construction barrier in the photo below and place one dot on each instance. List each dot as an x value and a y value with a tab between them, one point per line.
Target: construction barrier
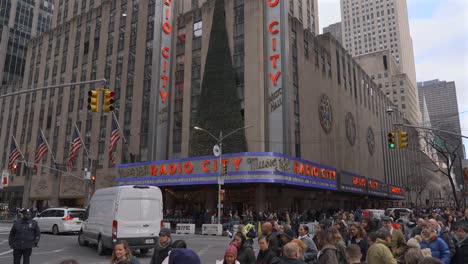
212	229
185	229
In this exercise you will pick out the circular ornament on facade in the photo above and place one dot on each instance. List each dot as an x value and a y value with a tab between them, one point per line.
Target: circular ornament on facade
325	113
350	128
370	141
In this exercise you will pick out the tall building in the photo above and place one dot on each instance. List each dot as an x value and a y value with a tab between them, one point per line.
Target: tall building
376	25
317	118
335	30
20	21
440	98
384	71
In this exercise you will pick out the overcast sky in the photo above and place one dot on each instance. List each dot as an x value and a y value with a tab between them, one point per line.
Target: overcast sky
439	29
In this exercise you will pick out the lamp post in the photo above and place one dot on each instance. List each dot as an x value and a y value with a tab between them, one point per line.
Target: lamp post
219	142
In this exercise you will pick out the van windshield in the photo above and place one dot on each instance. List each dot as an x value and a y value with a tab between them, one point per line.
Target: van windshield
139	210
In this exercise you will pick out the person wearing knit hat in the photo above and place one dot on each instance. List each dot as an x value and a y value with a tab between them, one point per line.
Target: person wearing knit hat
230	256
163	246
183	256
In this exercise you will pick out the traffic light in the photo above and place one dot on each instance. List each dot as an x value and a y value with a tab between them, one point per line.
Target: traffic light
14	168
93	100
224	168
402	139
391	140
93	179
108	101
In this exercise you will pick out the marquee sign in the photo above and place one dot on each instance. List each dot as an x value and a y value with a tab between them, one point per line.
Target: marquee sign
241	168
351	182
376	187
396	192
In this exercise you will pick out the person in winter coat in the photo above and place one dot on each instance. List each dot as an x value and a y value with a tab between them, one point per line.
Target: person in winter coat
444	234
398	244
328	251
24	235
183	256
163	246
353	254
304	237
340	245
461	235
307	254
122	252
291	254
439	249
356	234
265	254
379	252
267	230
230	256
245	254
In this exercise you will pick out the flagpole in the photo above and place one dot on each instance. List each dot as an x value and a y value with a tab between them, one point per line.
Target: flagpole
122	135
48	147
83	143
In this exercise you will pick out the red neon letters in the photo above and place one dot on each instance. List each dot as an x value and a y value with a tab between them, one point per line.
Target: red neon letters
273	30
165	53
314	171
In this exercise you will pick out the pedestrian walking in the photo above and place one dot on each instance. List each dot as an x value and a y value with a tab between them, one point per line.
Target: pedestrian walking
183	256
379	252
163	246
230	256
122	253
245	254
292	254
357	234
398	244
24	235
461	235
439	249
265	254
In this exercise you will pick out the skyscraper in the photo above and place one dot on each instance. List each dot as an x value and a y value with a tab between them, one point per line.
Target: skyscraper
19	22
441	100
375	25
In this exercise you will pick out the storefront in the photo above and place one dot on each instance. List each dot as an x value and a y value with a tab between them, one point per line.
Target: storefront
258	181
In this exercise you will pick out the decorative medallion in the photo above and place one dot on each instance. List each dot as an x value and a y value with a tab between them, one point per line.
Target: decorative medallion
325	113
350	128
370	141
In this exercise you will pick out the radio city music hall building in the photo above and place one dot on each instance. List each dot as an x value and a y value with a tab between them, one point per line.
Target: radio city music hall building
318	123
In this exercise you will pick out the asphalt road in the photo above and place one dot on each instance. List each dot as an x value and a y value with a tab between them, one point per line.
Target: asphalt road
52	249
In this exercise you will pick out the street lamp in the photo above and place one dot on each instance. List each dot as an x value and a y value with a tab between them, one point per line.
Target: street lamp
219	143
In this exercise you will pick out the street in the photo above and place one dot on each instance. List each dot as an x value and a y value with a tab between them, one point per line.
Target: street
52	249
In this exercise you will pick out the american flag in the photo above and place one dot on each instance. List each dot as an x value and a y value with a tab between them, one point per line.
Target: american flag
76	145
14	154
41	150
114	138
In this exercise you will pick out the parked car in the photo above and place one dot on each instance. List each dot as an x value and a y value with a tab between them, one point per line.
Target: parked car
400	212
373	213
60	220
132	213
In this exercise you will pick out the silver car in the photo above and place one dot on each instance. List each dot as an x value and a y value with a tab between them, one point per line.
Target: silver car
60	220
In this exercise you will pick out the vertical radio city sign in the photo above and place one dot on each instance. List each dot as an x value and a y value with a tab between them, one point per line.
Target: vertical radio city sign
275	61
161	77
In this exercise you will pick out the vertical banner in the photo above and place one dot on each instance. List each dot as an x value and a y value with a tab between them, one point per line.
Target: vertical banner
161	78
276	50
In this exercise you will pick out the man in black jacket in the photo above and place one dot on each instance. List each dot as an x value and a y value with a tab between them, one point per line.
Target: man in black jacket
163	246
461	255
24	235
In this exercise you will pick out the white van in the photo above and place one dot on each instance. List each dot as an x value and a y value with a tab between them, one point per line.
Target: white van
132	213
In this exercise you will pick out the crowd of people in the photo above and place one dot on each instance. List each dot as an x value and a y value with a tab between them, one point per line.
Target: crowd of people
423	237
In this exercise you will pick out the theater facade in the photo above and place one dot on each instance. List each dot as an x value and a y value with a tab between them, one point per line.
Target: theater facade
261	181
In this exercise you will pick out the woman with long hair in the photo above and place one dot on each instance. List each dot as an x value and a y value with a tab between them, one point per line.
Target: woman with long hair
327	253
122	253
357	235
338	242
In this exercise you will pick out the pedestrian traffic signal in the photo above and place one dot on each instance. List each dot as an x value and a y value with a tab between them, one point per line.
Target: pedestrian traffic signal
402	139
93	100
224	168
5	180
108	101
93	179
391	140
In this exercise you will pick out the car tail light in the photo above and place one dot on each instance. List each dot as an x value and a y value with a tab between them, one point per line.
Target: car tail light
114	229
67	218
